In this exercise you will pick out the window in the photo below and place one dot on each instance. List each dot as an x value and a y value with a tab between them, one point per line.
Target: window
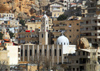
86	22
35	51
77	23
65	57
55	52
69	36
78	53
40	51
76	61
59	52
25	52
50	52
73	69
21	52
42	35
70	30
70	25
30	52
45	52
77	30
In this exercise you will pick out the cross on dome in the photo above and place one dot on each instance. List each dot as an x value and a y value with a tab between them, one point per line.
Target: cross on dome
62	32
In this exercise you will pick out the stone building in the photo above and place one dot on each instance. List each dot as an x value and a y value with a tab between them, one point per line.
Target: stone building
71	28
44	51
86	58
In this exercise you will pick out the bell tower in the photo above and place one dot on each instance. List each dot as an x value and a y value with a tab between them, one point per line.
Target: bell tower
44	34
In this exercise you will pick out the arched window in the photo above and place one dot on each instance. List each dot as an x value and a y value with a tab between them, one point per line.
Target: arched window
30	52
55	52
45	52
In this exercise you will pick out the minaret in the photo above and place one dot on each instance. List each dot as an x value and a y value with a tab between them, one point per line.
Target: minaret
43	34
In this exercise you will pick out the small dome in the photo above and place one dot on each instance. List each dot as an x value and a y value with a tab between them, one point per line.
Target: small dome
62	40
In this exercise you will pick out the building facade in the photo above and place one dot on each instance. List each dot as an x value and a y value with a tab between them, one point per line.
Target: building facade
91	20
70	27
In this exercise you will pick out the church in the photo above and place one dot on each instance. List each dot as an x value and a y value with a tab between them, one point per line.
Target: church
55	53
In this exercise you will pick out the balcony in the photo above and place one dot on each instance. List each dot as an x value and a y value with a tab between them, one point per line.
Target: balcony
92	36
89	31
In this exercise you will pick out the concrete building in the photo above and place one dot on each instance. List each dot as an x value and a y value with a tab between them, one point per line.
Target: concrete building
86	58
91	20
71	28
56	9
28	37
13	54
33	25
4	59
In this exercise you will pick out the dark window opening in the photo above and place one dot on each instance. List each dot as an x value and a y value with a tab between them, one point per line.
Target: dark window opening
30	52
35	51
60	52
50	52
45	52
55	52
21	52
25	52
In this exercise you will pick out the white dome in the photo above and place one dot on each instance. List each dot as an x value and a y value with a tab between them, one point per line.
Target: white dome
62	40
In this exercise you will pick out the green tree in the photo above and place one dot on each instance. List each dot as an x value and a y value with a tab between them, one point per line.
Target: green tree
22	22
11	34
62	17
1	35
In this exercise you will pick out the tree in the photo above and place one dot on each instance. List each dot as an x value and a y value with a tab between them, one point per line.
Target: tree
64	66
1	35
4	67
11	34
22	22
62	17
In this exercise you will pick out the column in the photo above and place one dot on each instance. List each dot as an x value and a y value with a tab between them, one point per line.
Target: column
62	54
38	51
43	52
23	52
52	54
47	51
33	52
28	53
57	54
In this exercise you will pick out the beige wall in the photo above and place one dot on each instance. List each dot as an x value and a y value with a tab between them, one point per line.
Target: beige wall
33	26
71	27
31	67
4	57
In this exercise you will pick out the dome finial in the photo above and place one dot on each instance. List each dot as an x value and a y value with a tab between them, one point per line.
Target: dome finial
62	32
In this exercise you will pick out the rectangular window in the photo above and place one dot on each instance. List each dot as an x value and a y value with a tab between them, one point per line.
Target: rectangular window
25	52
21	52
42	35
60	52
30	52
55	52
